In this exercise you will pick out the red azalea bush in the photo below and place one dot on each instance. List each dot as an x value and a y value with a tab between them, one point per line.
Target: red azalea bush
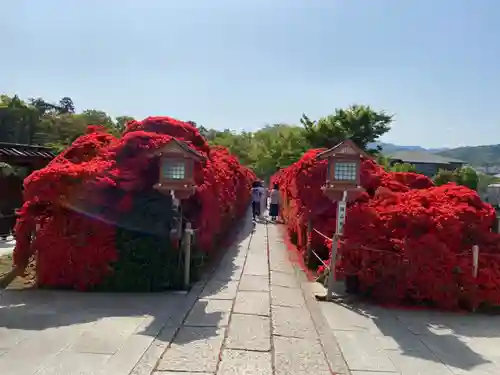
405	240
96	187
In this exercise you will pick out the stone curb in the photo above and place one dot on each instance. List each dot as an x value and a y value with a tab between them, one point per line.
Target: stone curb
331	348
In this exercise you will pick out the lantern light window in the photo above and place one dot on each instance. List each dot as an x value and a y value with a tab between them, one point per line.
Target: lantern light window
345	171
174	170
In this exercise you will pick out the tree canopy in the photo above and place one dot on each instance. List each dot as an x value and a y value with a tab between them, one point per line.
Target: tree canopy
56	125
37	121
360	123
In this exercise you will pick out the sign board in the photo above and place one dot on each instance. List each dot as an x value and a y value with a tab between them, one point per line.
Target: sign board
341	214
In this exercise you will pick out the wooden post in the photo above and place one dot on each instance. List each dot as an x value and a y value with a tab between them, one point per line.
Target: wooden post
188	233
309	255
475	260
335	245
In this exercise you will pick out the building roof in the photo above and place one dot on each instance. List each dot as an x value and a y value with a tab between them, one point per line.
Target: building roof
423	157
20	150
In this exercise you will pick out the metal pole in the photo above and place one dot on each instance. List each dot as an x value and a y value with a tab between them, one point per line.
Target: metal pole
335	244
188	233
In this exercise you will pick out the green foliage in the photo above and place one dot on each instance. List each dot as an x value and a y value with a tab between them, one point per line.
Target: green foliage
465	176
147	263
402	167
147	259
443	177
384	161
121	122
18	121
277	146
54	125
360	123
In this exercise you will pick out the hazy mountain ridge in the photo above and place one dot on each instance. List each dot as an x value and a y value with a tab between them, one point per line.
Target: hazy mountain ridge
479	156
389	148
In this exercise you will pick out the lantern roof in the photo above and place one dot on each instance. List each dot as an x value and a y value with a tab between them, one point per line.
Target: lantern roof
344	148
177	146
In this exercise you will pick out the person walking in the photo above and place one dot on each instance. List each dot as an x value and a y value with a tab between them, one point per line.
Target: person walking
256	199
274	205
263	199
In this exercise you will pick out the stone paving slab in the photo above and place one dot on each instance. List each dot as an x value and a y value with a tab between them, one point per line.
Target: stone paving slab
374	373
107	335
236	362
283	279
194	349
217	289
362	352
292	322
209	313
249	332
418	363
72	363
124	360
256	265
282	296
255	303
32	354
254	283
230	273
295	356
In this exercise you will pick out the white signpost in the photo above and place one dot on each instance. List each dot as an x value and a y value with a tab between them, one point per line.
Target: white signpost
341	215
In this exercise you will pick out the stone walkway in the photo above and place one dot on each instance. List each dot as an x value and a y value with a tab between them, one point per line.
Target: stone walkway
250	316
258	320
255	314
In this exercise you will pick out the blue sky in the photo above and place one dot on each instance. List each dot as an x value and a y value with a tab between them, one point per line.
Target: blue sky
242	64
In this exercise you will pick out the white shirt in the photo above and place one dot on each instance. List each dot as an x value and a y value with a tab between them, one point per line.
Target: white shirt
275	196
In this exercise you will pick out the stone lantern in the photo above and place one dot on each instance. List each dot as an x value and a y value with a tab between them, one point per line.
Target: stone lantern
176	174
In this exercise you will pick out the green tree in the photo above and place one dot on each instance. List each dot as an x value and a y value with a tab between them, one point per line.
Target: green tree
96	117
467	176
444	176
121	122
276	146
66	105
17	120
359	123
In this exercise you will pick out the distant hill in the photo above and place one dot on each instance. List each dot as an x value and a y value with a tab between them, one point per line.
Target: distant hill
389	148
478	156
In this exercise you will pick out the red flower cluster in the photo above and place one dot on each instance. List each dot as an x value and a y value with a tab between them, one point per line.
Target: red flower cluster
78	199
406	240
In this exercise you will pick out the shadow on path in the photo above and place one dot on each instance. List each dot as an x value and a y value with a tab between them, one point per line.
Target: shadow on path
432	336
39	310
